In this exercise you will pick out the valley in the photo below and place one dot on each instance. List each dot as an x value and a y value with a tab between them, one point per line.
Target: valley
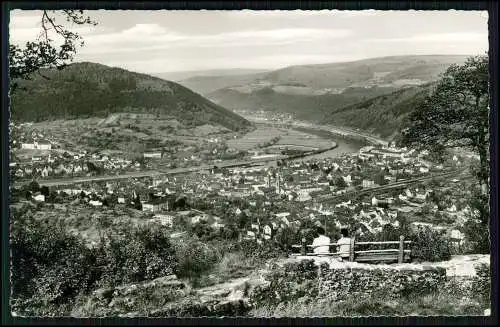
185	204
386	88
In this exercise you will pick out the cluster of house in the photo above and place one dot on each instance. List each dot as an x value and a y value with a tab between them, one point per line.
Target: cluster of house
300	181
59	164
28	139
297	181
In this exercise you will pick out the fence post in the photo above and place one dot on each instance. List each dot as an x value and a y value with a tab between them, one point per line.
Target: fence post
351	249
303	248
401	249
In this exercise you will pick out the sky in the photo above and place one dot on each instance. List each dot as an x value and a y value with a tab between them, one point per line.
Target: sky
171	41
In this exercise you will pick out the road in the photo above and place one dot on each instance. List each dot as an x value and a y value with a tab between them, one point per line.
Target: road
153	173
226	164
138	174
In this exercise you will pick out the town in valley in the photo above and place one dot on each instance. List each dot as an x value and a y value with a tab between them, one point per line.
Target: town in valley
249	163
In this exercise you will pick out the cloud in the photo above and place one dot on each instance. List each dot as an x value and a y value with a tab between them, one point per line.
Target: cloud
458	38
153	42
140	30
273	14
18	21
229	61
460	43
151	37
452	37
26	25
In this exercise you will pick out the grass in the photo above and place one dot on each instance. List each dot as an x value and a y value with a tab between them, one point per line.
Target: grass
436	304
287	138
231	266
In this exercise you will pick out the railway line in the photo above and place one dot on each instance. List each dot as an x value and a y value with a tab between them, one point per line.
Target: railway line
392	186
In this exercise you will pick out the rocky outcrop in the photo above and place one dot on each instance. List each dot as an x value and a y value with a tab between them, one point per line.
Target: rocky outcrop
168	296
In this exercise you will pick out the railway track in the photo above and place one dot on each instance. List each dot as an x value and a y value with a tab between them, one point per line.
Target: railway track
401	184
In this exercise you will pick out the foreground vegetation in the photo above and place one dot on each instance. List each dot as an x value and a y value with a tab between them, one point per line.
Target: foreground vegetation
56	269
436	304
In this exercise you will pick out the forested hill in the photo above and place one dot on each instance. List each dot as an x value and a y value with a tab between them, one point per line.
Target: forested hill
89	89
383	115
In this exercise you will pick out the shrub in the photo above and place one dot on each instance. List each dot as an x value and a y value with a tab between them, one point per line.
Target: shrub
265	250
49	267
429	245
135	254
435	304
195	258
203	230
481	284
477	237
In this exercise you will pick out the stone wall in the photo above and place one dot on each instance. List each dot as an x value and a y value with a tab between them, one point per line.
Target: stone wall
306	281
339	283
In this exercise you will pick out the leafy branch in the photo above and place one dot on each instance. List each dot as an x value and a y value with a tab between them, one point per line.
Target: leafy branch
43	53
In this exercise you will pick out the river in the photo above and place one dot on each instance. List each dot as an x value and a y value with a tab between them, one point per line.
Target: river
344	144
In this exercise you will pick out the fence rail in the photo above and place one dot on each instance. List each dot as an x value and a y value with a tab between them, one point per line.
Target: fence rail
357	243
400	254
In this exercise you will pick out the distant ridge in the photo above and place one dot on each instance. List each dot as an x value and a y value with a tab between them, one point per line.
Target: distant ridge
183	75
330	91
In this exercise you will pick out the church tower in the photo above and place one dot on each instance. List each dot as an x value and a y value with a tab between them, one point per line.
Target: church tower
278	183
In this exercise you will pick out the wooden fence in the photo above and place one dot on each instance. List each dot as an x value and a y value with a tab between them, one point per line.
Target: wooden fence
400	254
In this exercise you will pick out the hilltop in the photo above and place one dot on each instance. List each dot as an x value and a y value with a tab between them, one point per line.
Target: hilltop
205	84
84	90
333	78
393	71
184	75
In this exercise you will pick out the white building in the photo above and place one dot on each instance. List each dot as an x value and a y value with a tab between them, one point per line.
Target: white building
165	220
456	234
155	155
347	179
44	145
30	146
39	197
368	183
424	169
95	203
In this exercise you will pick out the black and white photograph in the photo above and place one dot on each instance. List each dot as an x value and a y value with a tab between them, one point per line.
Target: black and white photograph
249	163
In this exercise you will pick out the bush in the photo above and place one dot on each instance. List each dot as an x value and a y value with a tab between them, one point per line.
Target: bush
195	258
135	254
477	237
429	245
49	267
435	304
481	284
203	230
